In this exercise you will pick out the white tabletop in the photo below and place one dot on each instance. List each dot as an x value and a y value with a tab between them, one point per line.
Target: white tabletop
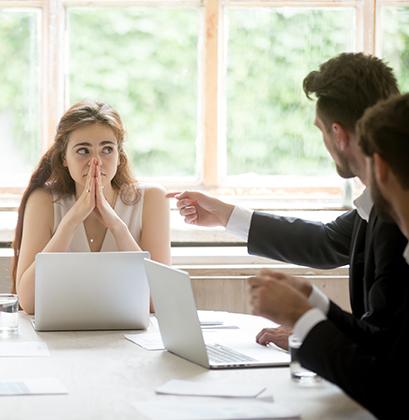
105	375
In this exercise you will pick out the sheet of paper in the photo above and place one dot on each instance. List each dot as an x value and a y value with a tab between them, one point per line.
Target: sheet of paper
215	409
211	317
147	340
23	349
210	389
151	340
215	319
32	387
219	327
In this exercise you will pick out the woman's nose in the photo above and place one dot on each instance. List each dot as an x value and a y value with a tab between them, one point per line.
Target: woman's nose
95	155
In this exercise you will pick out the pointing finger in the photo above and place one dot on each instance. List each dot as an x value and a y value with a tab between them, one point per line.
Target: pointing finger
172	194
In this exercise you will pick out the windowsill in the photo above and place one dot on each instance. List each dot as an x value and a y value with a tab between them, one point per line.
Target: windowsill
183	233
222	260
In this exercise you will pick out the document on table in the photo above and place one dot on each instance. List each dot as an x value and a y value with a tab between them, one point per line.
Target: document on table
151	339
147	340
214	320
210	389
37	386
23	349
215	409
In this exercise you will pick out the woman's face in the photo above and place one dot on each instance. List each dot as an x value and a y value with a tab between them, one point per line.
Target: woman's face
92	141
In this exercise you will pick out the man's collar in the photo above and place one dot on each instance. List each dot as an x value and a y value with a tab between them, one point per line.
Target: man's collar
364	204
406	253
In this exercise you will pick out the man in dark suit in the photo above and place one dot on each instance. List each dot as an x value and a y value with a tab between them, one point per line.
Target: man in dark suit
344	86
374	379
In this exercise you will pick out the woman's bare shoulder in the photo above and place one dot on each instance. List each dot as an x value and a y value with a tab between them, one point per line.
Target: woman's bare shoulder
153	192
40	198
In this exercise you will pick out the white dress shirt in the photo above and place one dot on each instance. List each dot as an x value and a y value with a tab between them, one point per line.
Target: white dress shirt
364	204
239	222
406	253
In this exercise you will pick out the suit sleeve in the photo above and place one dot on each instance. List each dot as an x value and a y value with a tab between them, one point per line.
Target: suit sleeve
373	381
302	242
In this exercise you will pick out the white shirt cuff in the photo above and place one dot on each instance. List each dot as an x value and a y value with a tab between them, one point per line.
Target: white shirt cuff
239	222
307	322
319	300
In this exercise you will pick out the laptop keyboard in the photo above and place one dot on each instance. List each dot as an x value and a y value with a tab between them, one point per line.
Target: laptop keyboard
222	354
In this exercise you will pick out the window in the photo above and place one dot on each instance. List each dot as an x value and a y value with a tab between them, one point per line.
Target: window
210	91
20	115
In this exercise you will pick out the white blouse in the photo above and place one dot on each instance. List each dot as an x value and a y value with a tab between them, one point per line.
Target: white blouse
130	214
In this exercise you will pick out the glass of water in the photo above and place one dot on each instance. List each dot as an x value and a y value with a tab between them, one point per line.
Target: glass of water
8	314
298	373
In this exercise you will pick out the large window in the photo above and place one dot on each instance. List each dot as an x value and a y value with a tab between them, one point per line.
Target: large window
20	111
210	91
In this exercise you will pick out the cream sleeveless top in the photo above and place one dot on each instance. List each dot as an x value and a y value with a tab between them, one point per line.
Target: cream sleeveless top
131	215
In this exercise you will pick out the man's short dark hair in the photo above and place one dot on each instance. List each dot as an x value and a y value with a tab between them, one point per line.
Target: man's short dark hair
384	129
348	84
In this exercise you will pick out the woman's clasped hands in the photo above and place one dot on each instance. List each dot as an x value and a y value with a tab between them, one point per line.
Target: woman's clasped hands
93	199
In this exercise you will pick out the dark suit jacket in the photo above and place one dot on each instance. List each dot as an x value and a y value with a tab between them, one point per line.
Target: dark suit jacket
364	353
376	381
379	275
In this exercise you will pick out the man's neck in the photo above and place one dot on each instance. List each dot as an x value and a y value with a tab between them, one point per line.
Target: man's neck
357	160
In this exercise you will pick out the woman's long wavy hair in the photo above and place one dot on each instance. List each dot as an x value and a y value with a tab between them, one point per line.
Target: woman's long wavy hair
52	175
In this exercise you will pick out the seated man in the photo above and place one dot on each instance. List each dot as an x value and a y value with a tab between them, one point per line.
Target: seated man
370	377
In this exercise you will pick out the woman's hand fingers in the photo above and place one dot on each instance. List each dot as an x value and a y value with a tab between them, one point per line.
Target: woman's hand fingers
99	188
89	180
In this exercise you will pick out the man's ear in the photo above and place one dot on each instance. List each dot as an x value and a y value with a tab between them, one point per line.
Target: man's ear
341	136
381	169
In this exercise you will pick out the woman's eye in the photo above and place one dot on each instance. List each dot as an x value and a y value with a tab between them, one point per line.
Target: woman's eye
82	151
107	150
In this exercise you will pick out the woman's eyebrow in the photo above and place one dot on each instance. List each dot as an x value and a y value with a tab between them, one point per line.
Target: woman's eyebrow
83	143
103	143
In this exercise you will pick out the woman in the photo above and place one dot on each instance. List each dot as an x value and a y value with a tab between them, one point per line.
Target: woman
82	197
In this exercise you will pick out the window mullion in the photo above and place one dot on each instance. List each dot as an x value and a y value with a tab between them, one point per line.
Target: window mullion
53	68
369	12
210	88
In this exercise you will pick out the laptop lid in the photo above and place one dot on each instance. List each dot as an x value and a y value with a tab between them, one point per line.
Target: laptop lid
175	310
91	291
179	324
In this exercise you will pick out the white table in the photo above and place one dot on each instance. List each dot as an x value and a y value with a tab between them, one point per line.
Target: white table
106	374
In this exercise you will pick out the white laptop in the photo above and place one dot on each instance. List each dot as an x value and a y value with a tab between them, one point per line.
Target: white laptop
180	329
91	291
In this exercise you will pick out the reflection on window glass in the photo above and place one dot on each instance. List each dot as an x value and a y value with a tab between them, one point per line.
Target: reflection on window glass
142	61
269	120
395	42
19	98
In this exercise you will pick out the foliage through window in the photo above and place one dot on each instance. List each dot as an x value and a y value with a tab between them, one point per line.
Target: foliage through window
19	99
270	121
142	61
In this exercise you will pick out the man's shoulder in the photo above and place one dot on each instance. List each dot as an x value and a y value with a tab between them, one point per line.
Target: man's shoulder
383	224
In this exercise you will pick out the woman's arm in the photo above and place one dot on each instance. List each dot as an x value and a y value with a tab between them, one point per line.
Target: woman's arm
38	236
155	235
